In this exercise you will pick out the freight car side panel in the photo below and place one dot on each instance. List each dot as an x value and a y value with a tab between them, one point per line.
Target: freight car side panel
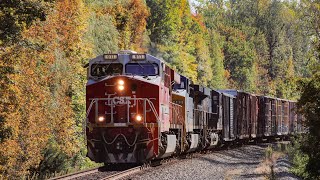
253	116
261	116
279	117
233	120
273	116
243	114
291	117
228	118
283	114
285	127
266	116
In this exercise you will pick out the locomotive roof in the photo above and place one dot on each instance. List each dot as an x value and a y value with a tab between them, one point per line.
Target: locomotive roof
125	58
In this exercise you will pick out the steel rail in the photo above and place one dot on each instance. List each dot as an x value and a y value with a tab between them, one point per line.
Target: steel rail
123	173
77	174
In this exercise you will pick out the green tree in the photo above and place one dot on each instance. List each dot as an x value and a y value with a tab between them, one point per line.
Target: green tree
216	42
102	33
213	15
309	106
239	60
164	21
171	36
309	102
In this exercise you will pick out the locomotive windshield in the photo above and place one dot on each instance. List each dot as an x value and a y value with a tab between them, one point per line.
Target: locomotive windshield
100	70
142	69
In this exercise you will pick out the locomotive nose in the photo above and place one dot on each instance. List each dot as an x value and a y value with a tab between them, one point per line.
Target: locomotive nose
123	119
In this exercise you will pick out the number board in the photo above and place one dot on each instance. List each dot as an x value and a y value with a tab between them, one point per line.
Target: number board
138	57
110	56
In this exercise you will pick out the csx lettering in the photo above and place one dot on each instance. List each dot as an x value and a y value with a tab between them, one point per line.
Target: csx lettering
120	100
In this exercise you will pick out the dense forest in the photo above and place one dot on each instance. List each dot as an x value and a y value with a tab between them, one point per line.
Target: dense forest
269	47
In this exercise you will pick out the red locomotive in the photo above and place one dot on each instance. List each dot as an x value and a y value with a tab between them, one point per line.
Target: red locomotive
129	104
139	109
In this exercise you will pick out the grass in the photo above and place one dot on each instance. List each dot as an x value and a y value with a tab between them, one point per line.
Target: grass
272	154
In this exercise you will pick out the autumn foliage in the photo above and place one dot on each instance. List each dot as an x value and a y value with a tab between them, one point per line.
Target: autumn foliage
260	46
41	77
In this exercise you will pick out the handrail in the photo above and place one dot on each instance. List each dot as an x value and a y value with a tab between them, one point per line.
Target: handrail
145	100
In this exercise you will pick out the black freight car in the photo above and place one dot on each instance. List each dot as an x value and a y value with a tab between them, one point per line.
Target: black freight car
246	113
273	117
227	112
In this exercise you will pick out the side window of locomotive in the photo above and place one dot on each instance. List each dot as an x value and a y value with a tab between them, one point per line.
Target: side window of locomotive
100	70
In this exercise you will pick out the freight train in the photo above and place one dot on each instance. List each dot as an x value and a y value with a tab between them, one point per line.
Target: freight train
139	109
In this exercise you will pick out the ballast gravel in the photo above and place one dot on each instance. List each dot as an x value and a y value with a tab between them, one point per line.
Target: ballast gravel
246	162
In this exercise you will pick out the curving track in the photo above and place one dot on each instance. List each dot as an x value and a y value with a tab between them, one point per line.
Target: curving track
77	174
230	154
102	173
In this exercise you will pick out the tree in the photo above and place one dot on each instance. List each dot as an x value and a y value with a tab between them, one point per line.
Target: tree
309	106
130	21
44	84
102	33
239	60
309	102
216	42
17	15
164	21
213	14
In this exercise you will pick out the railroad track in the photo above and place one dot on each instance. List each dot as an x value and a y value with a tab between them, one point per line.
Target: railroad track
94	174
77	174
123	173
105	173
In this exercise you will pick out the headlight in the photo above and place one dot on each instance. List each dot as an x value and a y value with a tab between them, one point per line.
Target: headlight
121	87
121	82
101	118
138	118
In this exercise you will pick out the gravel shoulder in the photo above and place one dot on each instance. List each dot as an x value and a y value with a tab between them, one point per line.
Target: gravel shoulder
247	162
282	169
